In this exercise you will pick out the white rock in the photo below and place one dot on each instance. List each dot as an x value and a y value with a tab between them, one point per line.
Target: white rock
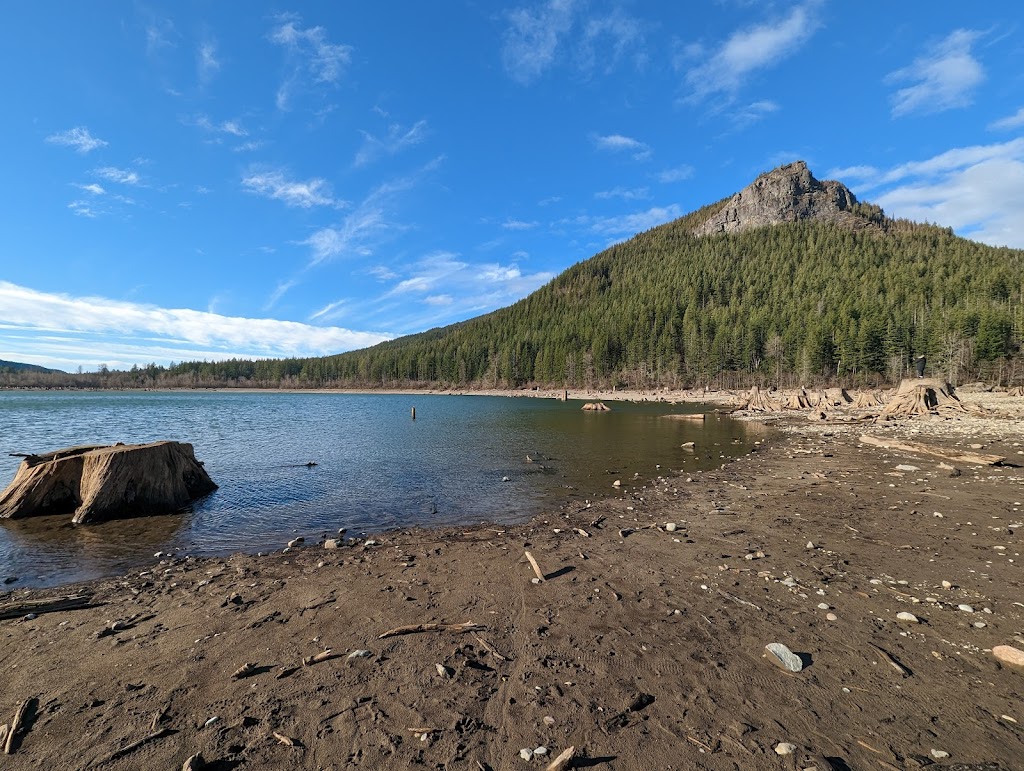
670	527
910	618
1009	655
360	653
540	751
965	608
940	754
296	542
331	543
526	753
211	721
782	656
810	545
831	616
947	585
980	624
823	606
907	467
785	748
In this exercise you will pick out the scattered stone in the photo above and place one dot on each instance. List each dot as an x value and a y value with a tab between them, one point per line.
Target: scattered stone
1009	655
548	720
785	748
910	618
526	753
443	671
810	545
296	542
947	585
980	624
823	606
506	479
212	721
965	608
831	616
331	543
940	754
194	763
540	751
617	483
670	527
782	656
360	653
906	467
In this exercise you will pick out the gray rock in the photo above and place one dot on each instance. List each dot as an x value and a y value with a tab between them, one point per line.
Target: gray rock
782	656
786	194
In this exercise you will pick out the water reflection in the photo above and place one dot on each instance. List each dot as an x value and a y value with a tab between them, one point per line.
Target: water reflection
464	459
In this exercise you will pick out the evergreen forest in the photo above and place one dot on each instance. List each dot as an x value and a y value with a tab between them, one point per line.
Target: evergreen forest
801	303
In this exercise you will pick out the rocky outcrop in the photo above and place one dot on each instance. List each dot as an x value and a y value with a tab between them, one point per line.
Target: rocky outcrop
96	483
786	194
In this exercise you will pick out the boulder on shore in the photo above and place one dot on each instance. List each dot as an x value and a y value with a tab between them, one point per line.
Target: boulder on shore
96	483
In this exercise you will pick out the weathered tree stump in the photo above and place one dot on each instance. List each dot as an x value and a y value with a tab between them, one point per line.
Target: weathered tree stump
98	482
596	407
760	401
922	396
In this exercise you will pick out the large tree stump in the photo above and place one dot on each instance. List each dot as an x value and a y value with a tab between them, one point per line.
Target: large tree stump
922	396
98	483
760	401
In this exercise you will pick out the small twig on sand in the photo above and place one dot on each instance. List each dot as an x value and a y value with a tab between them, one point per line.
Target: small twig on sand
466	626
734	598
490	649
136	744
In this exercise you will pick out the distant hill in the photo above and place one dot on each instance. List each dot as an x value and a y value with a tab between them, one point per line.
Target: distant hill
792	281
15	366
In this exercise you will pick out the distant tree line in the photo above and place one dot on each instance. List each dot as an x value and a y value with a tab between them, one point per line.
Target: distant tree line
802	303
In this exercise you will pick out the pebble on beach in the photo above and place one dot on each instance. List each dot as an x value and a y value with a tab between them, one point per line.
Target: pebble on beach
785	748
1009	655
910	618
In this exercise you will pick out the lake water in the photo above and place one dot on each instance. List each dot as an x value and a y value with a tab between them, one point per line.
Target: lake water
377	468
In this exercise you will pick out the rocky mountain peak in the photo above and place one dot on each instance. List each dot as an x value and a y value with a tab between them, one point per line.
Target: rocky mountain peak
786	194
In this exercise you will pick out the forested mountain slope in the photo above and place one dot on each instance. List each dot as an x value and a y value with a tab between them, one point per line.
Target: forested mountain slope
789	281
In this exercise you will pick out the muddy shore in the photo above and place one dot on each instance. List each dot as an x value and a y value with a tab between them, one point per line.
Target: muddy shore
643	647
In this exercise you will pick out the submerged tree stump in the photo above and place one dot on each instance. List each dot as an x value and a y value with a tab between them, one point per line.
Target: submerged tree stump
595	407
96	483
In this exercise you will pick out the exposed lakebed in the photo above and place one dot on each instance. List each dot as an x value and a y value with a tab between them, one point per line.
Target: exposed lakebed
464	459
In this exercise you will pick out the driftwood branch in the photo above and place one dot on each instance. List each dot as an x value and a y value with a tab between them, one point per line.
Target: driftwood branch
490	649
129	748
467	626
536	567
978	458
19	716
563	761
19	609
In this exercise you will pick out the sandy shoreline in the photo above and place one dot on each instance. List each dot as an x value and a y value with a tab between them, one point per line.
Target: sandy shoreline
642	649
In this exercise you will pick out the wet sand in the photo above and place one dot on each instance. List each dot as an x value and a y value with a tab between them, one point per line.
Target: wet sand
644	647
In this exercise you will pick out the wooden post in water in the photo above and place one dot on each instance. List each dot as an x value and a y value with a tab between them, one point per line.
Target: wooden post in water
414	413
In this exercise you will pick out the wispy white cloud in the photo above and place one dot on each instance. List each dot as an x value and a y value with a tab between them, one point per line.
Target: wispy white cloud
304	194
282	288
443	286
532	39
121	176
64	330
606	41
626	194
511	224
395	140
231	127
845	173
675	174
370	221
752	113
92	188
382	273
207	63
330	311
312	55
942	79
79	138
84	208
620	143
628	224
1010	122
751	49
978	191
160	35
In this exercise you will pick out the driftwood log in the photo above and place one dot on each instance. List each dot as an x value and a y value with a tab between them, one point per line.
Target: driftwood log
98	483
982	459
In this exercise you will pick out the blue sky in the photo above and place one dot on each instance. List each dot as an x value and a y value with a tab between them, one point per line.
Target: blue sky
202	180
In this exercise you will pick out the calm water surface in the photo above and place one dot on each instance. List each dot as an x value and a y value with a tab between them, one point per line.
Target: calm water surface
377	468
